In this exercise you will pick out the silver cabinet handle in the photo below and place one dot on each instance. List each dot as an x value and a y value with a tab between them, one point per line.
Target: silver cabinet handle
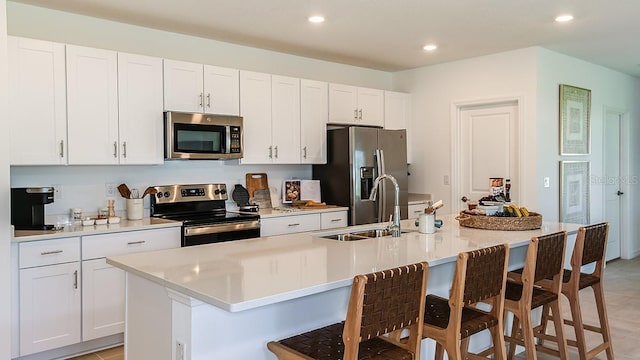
276	148
115	149
124	149
355	114
336	220
51	252
360	114
292	225
209	100
75	279
201	99
304	152
61	148
270	152
136	242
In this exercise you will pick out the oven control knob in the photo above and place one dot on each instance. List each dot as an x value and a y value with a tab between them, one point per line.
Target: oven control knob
159	195
166	194
223	191
216	191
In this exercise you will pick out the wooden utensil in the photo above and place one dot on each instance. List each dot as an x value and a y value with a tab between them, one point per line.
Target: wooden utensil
256	181
149	190
124	191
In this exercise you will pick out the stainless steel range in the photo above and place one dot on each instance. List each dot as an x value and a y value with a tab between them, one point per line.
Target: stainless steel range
201	208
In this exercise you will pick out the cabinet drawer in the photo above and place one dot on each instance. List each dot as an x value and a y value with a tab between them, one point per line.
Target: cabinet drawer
49	252
289	224
416	209
98	246
333	220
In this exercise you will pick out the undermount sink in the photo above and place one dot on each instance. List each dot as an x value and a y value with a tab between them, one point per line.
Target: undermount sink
361	235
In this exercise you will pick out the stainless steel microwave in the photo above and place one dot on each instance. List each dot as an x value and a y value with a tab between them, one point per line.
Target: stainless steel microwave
201	136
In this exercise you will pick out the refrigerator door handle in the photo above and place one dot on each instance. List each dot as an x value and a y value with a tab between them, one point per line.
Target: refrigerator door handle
382	196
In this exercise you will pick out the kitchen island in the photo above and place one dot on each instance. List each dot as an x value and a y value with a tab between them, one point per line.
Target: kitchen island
227	300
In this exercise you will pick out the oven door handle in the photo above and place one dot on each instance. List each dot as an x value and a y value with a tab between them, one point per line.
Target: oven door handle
215	229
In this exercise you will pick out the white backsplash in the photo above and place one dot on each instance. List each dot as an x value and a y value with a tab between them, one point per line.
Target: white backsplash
84	186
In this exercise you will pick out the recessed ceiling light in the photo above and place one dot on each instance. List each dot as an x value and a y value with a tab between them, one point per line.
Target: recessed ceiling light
564	18
430	47
316	19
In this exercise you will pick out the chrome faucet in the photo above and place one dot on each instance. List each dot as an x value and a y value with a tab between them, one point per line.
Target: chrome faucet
393	227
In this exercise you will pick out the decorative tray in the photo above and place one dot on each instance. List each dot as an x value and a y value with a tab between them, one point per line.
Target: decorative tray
531	222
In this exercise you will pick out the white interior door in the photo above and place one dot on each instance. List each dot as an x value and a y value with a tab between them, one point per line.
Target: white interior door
488	148
612	189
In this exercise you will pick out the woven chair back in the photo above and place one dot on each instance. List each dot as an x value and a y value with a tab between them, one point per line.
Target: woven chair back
550	257
595	240
392	300
485	274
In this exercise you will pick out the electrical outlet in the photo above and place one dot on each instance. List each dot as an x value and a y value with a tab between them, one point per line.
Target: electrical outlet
109	190
179	350
446	179
546	182
57	192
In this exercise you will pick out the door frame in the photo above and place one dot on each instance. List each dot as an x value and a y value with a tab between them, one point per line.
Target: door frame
625	177
456	110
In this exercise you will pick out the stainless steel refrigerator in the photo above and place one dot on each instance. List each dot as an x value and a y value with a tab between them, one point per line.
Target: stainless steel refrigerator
355	157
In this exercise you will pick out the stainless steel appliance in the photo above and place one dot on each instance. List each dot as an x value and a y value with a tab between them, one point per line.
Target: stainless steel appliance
27	207
200	136
355	157
201	208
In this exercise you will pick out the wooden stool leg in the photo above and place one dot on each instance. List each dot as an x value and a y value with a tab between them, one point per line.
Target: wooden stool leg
497	335
556	314
544	321
527	335
578	325
464	348
439	351
515	334
453	351
604	320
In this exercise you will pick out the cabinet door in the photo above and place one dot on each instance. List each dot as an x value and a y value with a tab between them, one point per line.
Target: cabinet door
103	298
289	224
334	219
221	90
285	119
140	109
415	210
49	307
255	108
343	104
37	102
370	107
314	112
397	115
183	84
92	106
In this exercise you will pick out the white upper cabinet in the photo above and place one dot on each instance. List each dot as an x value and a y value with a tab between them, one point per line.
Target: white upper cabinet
255	108
285	119
314	112
355	105
140	109
221	90
397	115
92	105
198	88
37	102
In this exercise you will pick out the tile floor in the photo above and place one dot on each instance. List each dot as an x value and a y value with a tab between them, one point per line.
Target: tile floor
622	286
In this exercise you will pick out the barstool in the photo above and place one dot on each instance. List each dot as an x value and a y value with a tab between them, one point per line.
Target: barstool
537	284
479	277
380	303
590	247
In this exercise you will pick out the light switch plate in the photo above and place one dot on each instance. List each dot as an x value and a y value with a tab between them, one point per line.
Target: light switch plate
546	182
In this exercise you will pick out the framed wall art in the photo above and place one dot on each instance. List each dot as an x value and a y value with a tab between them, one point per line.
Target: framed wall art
574	192
575	120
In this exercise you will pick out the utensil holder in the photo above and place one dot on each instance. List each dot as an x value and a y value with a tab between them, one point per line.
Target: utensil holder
427	223
134	209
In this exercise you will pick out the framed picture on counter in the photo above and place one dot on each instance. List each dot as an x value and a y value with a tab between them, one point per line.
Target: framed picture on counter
575	120
574	192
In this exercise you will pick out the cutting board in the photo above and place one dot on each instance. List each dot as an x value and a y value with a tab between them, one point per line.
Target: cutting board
262	198
256	181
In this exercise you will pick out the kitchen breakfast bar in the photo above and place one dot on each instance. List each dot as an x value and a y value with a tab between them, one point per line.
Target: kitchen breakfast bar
227	300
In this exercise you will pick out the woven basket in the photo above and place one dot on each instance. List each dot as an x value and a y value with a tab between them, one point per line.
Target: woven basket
531	222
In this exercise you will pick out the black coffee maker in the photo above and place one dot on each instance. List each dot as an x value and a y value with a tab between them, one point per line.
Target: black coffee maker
27	207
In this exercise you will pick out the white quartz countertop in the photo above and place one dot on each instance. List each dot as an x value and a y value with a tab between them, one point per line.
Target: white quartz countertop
79	230
246	274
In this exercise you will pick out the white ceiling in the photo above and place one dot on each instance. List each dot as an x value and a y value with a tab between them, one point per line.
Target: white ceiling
389	34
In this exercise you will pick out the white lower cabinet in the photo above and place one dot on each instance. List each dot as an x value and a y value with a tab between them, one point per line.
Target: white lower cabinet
49	294
302	222
102	299
68	296
416	209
